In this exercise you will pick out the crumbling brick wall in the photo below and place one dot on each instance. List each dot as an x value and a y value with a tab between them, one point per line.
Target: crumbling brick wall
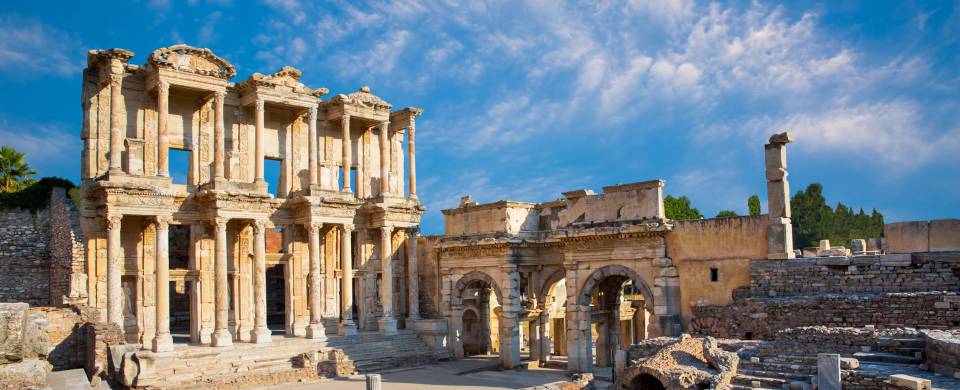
67	273
25	256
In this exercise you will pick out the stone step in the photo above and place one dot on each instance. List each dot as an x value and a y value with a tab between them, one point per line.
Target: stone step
779	367
885	357
758	381
789	376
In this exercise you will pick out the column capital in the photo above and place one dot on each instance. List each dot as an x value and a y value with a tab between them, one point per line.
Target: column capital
259	104
386	228
221	222
348	226
385	125
314	227
163	86
219	95
113	221
115	79
163	220
312	111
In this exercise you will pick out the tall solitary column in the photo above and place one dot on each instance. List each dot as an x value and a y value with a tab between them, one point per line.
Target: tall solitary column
218	156
258	114
114	263
163	341
384	159
163	143
312	118
779	228
347	159
412	156
221	335
315	330
260	333
347	326
387	323
413	279
116	123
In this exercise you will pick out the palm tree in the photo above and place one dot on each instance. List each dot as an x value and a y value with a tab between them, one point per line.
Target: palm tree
14	171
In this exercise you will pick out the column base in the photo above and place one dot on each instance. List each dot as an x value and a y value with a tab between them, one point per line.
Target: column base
163	343
261	336
316	332
221	338
387	326
347	328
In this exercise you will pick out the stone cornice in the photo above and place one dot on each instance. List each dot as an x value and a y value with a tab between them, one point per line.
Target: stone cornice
190	59
363	97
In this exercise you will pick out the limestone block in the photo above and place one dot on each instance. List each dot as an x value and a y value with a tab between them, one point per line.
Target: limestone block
906	237
29	370
895	260
858	245
910	382
13	323
944	235
828	371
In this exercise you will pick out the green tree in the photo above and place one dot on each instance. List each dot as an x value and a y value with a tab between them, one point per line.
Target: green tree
726	214
14	171
753	205
813	220
679	209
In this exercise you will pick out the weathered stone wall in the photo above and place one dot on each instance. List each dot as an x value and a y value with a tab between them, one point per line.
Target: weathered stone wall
942	350
857	274
65	335
25	256
68	278
428	270
922	236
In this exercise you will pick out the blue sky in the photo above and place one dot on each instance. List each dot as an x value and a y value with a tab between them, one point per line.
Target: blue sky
525	99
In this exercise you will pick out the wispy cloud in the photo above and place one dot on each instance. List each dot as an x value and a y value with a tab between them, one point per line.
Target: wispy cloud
32	48
48	147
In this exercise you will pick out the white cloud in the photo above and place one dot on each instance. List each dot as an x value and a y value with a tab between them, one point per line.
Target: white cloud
30	47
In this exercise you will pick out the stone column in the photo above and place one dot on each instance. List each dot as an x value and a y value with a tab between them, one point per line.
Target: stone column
258	159
345	142
260	333
384	159
413	278
315	330
312	118
218	156
779	229
546	338
347	326
221	335
116	123
509	318
411	155
536	348
114	264
387	323
455	319
163	341
163	143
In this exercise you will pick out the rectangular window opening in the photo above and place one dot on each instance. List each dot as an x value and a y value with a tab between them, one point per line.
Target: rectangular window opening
271	174
178	161
714	275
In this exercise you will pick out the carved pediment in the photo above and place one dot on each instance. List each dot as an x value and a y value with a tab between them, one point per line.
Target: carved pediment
103	56
363	97
287	79
192	60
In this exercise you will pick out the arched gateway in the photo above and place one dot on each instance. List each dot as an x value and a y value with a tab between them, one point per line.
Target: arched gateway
471	296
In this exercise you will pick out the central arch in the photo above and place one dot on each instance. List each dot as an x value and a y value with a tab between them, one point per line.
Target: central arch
457	308
607	282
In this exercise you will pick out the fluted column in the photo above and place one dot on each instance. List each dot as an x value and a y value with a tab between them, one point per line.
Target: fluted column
347	326
260	333
221	335
116	123
387	323
163	341
384	159
315	330
413	279
114	263
412	156
347	159
312	118
163	143
218	156
258	114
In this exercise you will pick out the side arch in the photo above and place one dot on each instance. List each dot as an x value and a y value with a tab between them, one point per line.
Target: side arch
584	296
473	276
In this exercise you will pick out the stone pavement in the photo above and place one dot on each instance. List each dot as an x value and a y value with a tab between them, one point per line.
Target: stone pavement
469	373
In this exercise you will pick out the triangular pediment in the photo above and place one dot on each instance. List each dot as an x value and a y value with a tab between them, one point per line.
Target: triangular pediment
190	59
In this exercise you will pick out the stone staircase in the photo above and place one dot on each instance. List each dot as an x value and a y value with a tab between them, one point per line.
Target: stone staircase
372	352
772	371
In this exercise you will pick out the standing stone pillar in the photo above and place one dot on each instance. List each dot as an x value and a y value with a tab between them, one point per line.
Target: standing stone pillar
163	142
455	319
387	323
312	118
509	318
413	277
666	299
536	349
779	229
116	123
347	326
218	156
315	330
163	341
346	146
546	339
114	264
384	159
411	156
258	140
260	333
221	335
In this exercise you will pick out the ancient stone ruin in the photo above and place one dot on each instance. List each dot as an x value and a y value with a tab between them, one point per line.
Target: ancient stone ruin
190	261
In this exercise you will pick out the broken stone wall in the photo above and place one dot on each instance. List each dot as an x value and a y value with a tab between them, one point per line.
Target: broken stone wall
922	236
25	256
68	278
725	246
942	350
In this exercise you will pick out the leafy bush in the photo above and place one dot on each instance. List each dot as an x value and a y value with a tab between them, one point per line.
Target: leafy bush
35	196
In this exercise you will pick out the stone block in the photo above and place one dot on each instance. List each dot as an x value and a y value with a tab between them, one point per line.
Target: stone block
896	260
828	371
944	235
28	370
910	382
858	245
906	237
13	324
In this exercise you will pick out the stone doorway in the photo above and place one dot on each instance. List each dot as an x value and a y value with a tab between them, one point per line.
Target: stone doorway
473	344
276	298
